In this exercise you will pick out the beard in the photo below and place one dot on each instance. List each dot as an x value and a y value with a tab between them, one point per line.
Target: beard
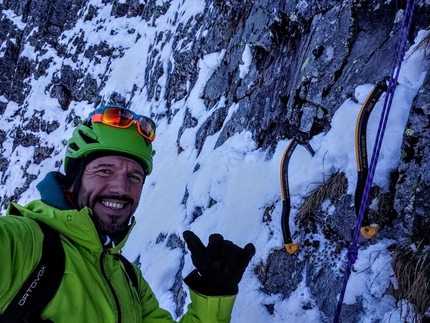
113	228
112	225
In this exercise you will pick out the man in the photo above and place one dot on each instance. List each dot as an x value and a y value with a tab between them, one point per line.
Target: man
107	161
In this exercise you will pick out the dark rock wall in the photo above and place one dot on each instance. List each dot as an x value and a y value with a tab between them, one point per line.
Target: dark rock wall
412	203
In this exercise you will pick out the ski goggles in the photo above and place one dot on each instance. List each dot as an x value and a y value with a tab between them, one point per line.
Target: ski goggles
120	117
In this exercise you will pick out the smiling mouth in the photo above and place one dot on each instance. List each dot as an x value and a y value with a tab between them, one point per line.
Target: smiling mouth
113	205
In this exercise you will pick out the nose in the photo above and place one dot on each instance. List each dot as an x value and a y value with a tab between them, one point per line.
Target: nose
119	185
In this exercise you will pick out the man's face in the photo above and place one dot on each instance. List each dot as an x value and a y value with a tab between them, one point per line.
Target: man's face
111	187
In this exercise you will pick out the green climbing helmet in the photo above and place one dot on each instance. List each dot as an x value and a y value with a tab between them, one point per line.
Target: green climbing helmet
113	128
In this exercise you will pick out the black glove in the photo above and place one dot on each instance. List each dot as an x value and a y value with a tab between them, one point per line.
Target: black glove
220	265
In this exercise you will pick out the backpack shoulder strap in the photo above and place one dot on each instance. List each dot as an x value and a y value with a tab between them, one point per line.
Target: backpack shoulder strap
130	271
42	284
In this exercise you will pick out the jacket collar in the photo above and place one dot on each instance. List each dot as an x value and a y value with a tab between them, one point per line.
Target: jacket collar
52	191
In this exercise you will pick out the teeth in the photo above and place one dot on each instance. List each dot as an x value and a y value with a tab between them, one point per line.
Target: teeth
112	205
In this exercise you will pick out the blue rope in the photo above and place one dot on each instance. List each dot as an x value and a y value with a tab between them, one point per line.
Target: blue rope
352	253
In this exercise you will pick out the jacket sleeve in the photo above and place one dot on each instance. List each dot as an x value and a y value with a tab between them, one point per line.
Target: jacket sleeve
19	238
202	309
208	309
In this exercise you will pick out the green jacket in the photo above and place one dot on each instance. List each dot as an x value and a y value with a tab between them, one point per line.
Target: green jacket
84	294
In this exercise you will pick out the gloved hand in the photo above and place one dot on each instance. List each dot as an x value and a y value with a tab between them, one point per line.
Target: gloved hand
220	265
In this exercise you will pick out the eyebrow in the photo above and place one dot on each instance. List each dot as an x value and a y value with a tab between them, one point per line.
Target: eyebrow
101	165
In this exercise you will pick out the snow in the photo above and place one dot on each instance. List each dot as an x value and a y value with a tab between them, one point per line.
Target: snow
235	182
247	60
207	66
14	18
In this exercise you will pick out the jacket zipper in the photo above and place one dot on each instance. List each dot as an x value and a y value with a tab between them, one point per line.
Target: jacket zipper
110	285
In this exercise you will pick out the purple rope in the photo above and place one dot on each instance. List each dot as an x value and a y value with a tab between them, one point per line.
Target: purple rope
353	249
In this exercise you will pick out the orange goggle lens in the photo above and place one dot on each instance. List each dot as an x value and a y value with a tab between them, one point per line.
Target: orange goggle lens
123	118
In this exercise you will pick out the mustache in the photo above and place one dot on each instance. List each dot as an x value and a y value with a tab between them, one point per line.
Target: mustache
123	198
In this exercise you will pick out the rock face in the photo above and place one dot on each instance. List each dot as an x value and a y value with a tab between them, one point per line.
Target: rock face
411	201
307	58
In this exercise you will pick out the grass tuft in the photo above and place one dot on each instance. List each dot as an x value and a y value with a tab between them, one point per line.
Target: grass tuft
423	44
411	264
333	189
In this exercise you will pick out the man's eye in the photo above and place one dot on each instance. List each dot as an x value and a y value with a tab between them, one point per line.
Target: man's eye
104	171
135	177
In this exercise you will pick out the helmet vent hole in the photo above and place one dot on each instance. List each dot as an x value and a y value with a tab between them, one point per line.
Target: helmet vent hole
74	146
88	139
